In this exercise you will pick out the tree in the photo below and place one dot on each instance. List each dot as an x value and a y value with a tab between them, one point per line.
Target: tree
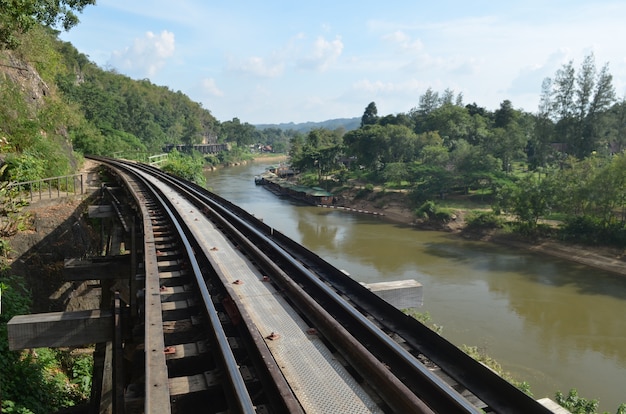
235	131
504	116
451	121
507	139
370	116
539	150
17	17
531	198
428	102
396	172
366	144
617	131
578	103
400	144
319	151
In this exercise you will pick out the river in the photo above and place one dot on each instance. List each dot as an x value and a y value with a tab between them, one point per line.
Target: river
555	324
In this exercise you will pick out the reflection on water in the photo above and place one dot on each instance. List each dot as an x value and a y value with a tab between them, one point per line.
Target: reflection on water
555	324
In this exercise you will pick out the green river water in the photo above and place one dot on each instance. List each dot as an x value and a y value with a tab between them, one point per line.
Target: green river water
552	323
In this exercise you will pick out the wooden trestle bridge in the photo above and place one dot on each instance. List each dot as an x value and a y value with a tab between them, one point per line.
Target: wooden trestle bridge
215	312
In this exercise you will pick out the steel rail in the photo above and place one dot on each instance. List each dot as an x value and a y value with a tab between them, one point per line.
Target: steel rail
498	394
439	395
393	391
156	390
242	402
495	392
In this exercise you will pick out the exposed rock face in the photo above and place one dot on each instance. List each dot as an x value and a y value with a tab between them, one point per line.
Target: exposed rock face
18	72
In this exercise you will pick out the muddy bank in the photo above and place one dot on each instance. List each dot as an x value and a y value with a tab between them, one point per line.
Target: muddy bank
393	206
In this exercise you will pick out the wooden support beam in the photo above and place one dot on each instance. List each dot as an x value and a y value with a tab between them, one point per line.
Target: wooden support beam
104	267
60	329
118	357
100	211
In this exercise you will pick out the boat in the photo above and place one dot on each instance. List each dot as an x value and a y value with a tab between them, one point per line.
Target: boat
283	187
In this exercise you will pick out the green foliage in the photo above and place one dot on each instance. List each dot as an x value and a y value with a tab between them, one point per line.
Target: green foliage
39	48
5	247
36	382
592	230
78	367
478	220
424	318
529	199
431	212
235	155
188	167
131	116
365	191
396	172
81	370
578	104
431	182
576	404
238	133
27	166
370	116
18	17
481	356
319	152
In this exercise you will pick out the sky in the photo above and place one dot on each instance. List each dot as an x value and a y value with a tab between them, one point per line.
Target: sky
281	61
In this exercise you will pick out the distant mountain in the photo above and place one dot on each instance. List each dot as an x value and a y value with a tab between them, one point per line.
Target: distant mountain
346	123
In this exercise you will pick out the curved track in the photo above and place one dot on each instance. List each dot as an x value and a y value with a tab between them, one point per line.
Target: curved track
206	343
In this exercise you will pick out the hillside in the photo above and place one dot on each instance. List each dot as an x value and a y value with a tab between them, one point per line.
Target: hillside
348	124
55	104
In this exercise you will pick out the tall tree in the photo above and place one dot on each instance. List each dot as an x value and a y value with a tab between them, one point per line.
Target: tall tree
428	102
17	17
578	105
617	132
539	149
370	116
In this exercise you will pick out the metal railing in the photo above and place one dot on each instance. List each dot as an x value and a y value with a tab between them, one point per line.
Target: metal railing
62	186
156	160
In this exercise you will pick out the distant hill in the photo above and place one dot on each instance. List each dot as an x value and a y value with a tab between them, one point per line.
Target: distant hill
347	123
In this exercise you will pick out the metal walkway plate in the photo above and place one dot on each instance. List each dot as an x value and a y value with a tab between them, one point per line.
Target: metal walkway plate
317	378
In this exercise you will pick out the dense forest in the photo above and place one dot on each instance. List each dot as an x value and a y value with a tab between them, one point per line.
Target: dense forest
55	101
564	161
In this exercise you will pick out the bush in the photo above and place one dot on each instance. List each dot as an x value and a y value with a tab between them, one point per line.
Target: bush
364	192
431	212
592	230
188	167
426	210
477	220
36	381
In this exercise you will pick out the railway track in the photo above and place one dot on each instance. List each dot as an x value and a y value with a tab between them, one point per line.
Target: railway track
236	317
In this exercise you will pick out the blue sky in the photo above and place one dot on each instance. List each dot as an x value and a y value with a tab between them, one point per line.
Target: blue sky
279	61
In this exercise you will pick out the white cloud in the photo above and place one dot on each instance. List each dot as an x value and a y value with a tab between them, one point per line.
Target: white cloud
257	66
324	54
209	86
404	41
147	54
409	87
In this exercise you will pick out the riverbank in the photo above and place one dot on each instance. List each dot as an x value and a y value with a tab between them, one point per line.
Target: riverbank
265	157
393	206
